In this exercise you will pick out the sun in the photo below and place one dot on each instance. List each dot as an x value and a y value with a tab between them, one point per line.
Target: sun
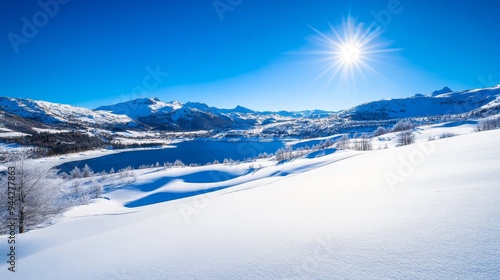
350	50
350	53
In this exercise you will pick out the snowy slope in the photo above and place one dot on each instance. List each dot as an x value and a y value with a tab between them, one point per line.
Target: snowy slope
150	110
439	103
334	217
53	113
8	133
141	107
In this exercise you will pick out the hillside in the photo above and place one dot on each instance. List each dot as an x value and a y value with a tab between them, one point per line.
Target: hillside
53	113
441	102
150	121
311	218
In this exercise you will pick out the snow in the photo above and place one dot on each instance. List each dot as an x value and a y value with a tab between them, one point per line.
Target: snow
8	133
7	147
426	132
142	107
48	130
331	217
60	159
51	113
421	106
12	134
68	112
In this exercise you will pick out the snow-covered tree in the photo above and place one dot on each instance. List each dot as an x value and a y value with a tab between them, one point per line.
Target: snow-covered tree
78	192
75	172
489	124
179	163
379	131
38	192
402	125
95	189
263	155
87	171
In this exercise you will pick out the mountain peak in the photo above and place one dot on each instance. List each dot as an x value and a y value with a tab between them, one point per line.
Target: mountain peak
441	91
146	101
242	109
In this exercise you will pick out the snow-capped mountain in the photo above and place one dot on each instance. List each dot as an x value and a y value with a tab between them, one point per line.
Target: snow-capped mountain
53	113
172	116
155	114
141	107
441	102
195	115
441	91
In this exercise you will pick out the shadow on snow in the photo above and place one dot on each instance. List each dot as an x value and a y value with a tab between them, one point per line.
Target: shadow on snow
211	177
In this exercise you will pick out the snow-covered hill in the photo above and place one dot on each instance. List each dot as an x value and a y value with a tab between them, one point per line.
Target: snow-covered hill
195	115
442	102
148	114
141	107
53	113
423	211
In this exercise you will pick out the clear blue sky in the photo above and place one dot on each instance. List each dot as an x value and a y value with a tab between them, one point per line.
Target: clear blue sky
256	53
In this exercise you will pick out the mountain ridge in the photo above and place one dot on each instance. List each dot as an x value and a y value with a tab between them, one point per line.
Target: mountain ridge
155	114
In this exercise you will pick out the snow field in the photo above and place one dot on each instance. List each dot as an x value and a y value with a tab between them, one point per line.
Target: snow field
331	217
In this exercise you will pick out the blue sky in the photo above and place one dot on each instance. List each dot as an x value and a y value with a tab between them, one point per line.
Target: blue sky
258	54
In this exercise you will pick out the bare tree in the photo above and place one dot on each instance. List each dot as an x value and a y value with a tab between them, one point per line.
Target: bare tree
404	138
343	143
488	124
363	143
39	192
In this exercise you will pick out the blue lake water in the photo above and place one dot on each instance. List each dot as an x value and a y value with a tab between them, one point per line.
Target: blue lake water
198	151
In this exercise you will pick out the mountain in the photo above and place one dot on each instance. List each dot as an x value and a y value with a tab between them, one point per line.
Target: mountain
141	107
153	114
58	114
441	91
172	116
442	102
175	116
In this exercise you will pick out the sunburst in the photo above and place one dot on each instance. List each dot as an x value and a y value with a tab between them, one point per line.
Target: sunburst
350	50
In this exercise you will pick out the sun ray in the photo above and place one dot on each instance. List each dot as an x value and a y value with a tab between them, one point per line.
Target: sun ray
350	50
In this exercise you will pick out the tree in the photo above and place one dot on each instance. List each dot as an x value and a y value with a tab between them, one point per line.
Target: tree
75	172
364	143
379	131
343	143
404	138
38	192
87	171
488	124
280	154
95	189
402	125
78	193
179	163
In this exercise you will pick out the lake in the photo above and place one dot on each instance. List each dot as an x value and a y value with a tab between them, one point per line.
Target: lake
197	151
